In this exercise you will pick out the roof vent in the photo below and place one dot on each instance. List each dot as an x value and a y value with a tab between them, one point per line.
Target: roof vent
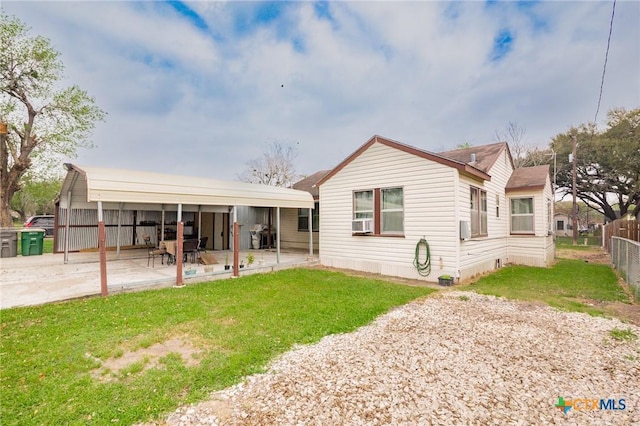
473	158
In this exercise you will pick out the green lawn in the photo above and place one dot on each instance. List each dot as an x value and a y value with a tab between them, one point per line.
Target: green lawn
569	285
47	353
567	242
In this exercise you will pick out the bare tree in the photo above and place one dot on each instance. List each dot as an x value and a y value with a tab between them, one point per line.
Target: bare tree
513	134
275	167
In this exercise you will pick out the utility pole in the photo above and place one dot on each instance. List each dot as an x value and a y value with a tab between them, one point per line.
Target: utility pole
575	204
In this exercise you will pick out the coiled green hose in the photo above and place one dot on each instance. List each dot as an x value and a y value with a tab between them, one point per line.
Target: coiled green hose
424	268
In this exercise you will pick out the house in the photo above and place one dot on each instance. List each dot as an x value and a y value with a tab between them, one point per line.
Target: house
295	222
474	211
563	225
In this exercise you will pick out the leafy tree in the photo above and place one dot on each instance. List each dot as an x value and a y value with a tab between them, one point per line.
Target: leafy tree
37	196
607	164
275	167
44	122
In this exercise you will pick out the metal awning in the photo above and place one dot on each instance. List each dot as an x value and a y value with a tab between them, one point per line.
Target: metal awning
115	188
103	188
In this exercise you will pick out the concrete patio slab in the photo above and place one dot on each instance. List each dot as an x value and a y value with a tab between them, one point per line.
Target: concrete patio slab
35	280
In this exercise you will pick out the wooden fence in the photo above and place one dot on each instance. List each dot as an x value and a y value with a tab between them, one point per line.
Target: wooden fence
629	229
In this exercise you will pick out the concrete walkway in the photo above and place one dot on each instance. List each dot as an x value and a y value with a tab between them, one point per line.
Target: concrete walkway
35	280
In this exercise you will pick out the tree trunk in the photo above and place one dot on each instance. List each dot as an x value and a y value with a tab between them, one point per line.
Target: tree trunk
5	196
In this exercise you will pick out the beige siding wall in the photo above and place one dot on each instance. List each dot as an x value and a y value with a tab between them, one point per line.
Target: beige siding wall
482	254
290	237
537	249
436	199
429	199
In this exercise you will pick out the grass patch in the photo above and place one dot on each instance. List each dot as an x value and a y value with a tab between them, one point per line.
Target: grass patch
48	352
570	285
567	242
623	335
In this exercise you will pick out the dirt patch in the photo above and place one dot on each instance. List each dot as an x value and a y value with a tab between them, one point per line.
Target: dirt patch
148	358
592	255
627	312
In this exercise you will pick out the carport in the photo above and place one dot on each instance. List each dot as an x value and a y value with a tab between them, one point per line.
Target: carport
99	189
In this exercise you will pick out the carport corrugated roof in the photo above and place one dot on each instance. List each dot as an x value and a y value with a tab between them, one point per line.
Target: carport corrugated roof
92	184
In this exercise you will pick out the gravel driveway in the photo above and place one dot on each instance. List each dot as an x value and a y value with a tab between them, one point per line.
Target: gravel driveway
459	358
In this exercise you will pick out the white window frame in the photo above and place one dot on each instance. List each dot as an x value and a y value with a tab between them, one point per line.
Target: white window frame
522	215
363	213
383	211
478	211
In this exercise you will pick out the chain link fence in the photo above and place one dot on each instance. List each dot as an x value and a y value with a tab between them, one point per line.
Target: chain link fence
625	256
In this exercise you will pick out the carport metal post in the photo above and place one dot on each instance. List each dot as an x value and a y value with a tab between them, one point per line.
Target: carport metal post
119	229
179	240
277	234
102	237
236	248
310	232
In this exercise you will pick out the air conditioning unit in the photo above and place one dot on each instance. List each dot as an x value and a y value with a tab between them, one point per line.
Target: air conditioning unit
364	226
465	230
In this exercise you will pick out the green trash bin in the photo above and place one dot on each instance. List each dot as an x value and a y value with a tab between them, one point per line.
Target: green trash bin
32	242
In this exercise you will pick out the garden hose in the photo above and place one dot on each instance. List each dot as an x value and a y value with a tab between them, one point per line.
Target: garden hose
424	268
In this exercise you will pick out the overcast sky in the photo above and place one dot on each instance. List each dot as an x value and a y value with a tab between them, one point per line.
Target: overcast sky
201	88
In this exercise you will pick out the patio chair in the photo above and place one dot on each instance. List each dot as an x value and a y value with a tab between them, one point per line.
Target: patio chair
202	246
190	247
153	251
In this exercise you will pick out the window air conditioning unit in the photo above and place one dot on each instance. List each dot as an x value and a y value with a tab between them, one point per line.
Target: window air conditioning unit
465	230
364	226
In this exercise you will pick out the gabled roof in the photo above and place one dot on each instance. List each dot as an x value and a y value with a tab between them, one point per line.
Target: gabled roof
462	166
528	178
130	186
309	183
486	155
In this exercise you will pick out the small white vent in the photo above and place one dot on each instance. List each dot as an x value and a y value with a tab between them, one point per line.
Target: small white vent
364	226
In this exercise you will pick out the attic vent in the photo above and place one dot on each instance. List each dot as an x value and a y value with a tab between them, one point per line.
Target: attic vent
473	158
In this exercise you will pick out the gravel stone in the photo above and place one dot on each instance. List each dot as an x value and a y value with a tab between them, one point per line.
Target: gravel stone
446	360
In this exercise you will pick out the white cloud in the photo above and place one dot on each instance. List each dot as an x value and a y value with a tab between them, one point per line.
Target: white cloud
183	99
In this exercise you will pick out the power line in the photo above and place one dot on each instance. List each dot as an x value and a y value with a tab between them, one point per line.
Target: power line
606	57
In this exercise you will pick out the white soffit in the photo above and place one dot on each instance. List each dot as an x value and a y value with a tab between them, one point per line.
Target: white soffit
130	186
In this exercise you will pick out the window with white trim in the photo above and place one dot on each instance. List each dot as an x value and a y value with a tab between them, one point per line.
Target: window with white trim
522	219
478	207
363	204
385	206
392	211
